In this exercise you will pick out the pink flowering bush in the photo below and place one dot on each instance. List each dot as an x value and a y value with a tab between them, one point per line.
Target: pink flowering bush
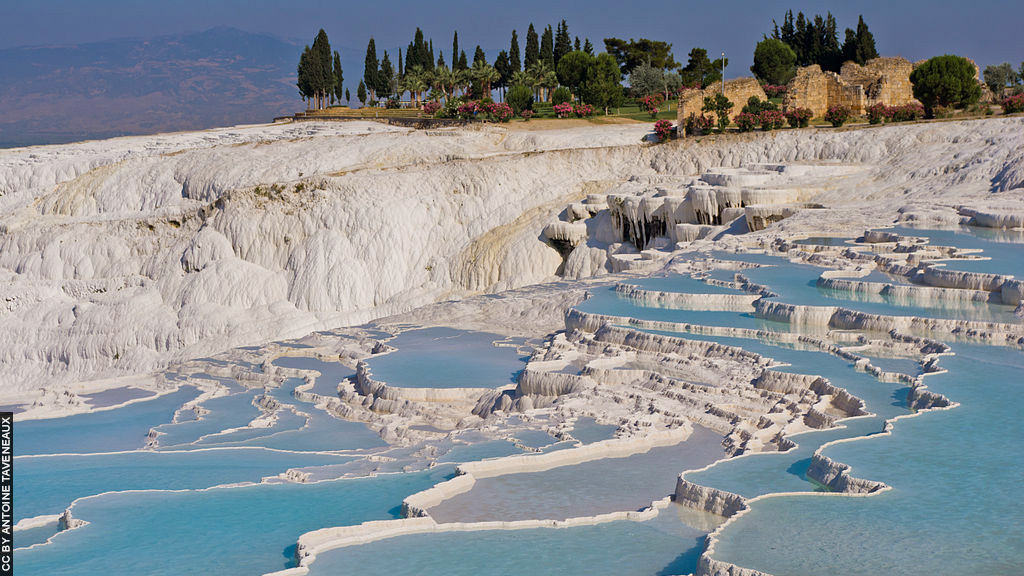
499	111
663	129
1013	104
583	110
771	119
432	107
468	110
697	125
647	103
562	110
526	114
774	91
905	113
878	113
799	117
837	115
746	121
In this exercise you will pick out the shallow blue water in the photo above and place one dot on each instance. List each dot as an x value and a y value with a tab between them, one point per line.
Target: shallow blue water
955	505
237	531
105	431
331	373
41	490
679	283
447	358
1002	247
664	545
588	431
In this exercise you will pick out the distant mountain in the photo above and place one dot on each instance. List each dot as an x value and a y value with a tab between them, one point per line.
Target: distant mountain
220	77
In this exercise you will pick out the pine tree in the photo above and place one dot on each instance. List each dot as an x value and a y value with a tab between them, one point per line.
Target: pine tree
371	68
588	47
339	78
514	63
576	45
463	61
563	43
479	56
547	47
440	59
532	54
865	42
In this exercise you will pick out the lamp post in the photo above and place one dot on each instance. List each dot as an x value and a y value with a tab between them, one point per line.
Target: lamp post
723	73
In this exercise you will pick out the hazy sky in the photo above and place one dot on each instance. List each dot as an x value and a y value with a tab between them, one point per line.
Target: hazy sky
987	31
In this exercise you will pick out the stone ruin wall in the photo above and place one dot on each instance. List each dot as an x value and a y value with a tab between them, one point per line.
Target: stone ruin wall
737	90
881	80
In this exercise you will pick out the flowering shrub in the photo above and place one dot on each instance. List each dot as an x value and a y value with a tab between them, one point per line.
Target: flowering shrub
878	113
746	121
837	115
432	107
774	91
771	119
663	129
697	125
562	110
468	109
799	117
648	103
905	113
499	111
526	114
1013	104
583	110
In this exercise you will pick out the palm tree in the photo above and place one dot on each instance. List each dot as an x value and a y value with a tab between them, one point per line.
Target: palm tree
416	82
464	79
485	74
543	78
444	80
521	78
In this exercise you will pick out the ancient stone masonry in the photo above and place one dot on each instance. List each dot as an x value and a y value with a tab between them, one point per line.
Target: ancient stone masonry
879	81
737	90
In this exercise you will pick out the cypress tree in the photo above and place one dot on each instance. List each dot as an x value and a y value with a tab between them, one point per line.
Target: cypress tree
865	42
514	63
304	73
547	47
463	62
502	65
455	51
588	47
563	43
430	56
440	59
371	68
576	45
386	78
532	54
479	56
339	78
361	92
348	97
408	65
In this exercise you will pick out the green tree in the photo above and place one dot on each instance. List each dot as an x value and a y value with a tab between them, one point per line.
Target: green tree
646	80
859	46
479	56
603	84
455	51
504	69
520	97
576	44
561	95
532	54
385	78
544	79
339	77
563	43
361	93
945	81
321	74
440	59
547	47
700	70
816	41
719	105
572	70
484	76
999	77
515	63
305	76
774	62
463	62
371	69
633	53
444	80
348	96
589	48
